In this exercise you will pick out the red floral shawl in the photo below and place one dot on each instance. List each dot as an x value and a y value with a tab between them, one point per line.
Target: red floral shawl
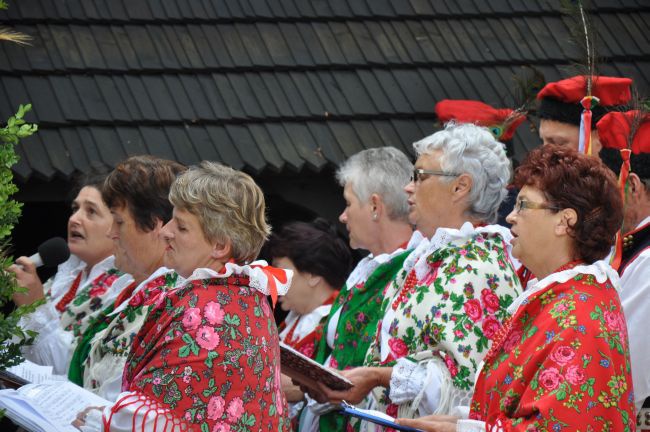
208	355
561	363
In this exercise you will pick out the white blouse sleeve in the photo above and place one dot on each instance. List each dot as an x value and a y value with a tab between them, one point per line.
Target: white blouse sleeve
634	299
472	426
424	387
418	383
53	346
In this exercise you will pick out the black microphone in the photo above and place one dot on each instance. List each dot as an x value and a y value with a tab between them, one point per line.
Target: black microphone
51	253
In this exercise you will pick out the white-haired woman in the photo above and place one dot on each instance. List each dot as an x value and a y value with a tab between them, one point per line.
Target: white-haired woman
449	300
376	216
208	356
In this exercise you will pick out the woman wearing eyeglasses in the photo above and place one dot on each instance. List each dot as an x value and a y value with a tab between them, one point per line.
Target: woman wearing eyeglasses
561	362
448	301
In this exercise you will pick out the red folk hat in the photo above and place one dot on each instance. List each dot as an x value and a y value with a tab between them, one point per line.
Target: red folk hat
621	143
561	100
625	137
501	122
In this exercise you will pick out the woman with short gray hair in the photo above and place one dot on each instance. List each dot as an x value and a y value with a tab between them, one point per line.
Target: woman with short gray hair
384	171
475	151
376	216
448	301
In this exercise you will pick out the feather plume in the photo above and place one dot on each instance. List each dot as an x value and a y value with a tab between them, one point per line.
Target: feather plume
14	36
583	37
641	110
527	84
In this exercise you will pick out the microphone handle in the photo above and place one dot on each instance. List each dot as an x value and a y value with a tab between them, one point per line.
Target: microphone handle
36	259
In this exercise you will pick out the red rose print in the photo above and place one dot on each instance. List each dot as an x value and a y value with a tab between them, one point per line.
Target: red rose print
575	375
207	338
490	327
473	309
235	409
490	300
563	354
513	340
398	347
216	407
191	318
550	378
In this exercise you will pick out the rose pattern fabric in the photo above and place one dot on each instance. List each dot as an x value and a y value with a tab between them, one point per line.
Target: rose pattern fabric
209	353
453	312
87	302
116	339
563	364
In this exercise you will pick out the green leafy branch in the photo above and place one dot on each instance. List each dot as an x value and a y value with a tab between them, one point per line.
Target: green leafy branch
12	337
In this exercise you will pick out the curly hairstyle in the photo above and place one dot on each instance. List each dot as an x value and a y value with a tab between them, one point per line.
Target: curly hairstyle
569	179
313	247
472	149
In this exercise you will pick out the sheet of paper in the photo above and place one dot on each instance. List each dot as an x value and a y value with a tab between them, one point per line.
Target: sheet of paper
32	372
53	406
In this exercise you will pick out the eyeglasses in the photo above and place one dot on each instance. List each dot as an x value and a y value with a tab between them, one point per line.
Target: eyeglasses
418	174
523	204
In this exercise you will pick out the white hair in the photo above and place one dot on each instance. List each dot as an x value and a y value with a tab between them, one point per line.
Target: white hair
384	171
471	149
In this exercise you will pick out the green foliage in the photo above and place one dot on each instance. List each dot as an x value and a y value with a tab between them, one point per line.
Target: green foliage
15	129
3	5
12	337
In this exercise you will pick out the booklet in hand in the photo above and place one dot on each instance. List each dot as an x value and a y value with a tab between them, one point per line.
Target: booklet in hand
48	407
307	372
375	417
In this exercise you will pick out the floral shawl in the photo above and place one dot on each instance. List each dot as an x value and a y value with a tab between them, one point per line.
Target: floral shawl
88	301
449	306
209	357
561	363
102	366
360	310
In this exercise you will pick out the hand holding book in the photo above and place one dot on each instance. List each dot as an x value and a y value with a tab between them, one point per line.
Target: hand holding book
309	373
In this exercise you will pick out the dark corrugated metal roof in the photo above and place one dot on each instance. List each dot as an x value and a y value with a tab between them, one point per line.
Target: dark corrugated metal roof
281	85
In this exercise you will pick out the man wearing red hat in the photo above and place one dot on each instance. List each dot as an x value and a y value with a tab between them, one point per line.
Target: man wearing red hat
562	105
625	137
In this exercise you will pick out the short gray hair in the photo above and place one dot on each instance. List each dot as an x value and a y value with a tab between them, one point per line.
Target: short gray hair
471	149
384	171
229	206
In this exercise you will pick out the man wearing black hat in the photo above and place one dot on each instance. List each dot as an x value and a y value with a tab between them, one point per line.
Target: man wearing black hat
625	137
560	107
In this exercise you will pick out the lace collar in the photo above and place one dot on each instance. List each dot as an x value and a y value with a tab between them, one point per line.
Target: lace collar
601	270
262	276
444	236
367	265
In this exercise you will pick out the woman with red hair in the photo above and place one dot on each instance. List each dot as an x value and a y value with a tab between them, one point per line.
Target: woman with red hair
561	362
